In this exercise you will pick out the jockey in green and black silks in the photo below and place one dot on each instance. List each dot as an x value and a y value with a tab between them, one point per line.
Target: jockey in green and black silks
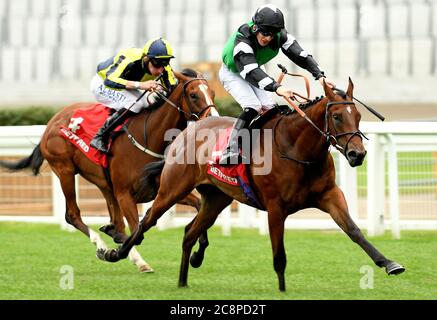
251	46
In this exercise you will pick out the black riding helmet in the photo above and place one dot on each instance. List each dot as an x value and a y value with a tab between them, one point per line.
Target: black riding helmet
269	18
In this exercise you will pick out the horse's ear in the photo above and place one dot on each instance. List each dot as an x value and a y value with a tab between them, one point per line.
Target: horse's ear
350	88
328	91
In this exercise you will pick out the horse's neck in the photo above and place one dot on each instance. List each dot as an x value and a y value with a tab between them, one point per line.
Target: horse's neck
158	122
303	140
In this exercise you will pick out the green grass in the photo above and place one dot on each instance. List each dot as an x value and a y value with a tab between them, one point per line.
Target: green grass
321	265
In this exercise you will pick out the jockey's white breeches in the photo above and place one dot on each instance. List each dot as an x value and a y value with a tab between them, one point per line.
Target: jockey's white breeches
246	95
118	99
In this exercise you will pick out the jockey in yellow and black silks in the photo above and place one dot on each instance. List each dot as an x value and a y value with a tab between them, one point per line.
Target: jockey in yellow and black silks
120	78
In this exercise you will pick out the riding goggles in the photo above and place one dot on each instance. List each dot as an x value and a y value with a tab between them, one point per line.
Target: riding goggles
267	32
158	63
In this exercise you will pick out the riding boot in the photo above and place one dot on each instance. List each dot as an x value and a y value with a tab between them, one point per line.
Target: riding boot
231	155
100	140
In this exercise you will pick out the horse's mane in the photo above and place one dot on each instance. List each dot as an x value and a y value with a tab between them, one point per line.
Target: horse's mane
310	103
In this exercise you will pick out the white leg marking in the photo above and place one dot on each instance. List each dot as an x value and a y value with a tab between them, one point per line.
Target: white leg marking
137	260
95	238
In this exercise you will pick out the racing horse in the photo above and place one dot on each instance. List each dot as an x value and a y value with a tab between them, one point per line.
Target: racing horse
191	100
302	175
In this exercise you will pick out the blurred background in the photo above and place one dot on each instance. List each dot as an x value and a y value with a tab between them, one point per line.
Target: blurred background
50	49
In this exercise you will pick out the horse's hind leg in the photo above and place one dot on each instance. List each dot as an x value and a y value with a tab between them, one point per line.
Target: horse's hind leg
276	230
65	173
168	195
197	257
213	202
335	204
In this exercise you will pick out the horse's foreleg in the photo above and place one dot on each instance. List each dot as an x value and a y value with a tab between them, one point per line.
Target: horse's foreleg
276	230
128	207
335	204
116	229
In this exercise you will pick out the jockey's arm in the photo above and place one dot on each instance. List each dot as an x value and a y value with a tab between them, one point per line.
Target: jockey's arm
248	68
291	48
145	85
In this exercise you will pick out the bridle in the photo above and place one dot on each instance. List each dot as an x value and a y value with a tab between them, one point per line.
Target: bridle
331	139
190	115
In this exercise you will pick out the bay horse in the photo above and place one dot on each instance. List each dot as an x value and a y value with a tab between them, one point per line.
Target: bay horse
191	100
302	175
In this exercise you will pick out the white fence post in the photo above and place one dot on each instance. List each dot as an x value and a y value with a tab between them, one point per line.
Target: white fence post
375	186
246	215
166	221
263	223
349	185
393	186
225	217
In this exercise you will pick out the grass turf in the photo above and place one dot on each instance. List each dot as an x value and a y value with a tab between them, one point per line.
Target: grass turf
321	265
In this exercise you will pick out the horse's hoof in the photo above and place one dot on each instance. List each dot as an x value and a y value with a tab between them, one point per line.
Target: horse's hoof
109	255
107	228
196	260
100	254
394	268
146	269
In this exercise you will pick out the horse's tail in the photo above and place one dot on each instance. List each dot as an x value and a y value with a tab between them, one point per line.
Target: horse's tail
34	162
149	181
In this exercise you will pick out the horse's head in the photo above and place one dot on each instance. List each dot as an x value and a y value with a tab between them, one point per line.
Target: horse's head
342	124
197	97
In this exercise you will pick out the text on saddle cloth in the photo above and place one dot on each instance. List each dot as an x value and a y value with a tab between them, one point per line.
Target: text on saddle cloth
234	175
84	124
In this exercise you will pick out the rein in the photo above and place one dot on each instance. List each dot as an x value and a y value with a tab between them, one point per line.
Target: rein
330	138
172	104
191	114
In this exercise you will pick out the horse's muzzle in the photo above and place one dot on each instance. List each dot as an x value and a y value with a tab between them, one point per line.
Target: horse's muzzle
355	157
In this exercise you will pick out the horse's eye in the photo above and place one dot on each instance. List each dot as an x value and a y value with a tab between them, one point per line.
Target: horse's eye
193	96
335	116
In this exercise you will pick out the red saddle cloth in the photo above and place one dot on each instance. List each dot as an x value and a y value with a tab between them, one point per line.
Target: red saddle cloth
84	124
235	175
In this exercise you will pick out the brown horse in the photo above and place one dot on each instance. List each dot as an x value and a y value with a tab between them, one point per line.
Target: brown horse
190	100
302	175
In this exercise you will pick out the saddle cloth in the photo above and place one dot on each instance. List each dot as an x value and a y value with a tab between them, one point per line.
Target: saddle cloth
234	175
84	124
